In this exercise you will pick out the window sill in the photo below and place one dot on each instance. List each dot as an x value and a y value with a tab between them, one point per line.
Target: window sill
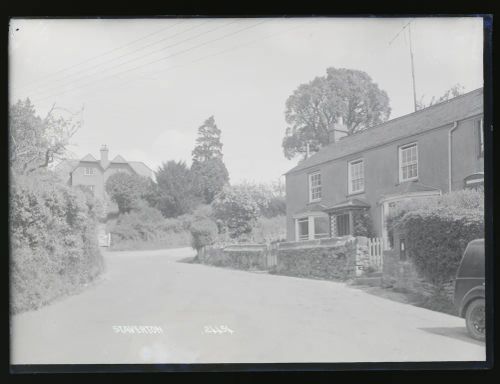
406	181
314	201
355	193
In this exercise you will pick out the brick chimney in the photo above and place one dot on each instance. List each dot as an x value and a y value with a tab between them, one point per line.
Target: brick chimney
104	156
340	126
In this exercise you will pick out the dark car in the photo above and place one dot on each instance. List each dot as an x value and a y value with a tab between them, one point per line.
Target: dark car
469	289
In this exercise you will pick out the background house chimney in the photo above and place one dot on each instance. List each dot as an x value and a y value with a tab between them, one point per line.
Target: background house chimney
104	156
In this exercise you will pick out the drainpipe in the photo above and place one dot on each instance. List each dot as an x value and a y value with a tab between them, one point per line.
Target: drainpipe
455	125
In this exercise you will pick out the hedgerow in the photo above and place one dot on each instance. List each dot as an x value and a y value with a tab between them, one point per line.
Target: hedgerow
438	229
54	247
437	238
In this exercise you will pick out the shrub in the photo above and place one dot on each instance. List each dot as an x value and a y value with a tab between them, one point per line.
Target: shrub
437	230
436	239
362	222
267	230
236	210
142	223
54	246
203	232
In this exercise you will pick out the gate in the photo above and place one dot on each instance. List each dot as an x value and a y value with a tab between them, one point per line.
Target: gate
376	252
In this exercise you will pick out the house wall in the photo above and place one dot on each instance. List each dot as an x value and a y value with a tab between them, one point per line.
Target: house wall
382	170
98	180
79	178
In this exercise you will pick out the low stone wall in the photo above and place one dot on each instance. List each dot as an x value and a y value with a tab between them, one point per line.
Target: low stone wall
331	259
244	256
338	258
403	275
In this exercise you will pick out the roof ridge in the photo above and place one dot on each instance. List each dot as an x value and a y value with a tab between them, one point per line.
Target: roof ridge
405	116
374	130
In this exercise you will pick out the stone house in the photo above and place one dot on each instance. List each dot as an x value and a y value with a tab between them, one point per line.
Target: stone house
429	152
93	173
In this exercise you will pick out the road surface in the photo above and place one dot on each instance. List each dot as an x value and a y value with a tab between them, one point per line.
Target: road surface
261	318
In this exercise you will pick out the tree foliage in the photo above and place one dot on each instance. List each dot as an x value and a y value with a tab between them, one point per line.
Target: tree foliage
35	142
54	247
236	211
174	195
314	109
209	171
127	190
209	177
454	91
208	143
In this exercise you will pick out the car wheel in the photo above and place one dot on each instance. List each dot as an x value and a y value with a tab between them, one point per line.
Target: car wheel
475	319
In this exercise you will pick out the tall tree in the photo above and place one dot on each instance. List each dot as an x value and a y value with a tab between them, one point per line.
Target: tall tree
313	110
35	142
454	91
208	143
209	171
174	195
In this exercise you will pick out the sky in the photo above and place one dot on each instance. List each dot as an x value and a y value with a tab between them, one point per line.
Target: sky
146	85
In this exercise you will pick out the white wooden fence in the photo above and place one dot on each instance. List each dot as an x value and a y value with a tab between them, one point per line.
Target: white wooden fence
104	239
376	252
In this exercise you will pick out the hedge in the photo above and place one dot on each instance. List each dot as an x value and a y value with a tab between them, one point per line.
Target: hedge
54	248
437	237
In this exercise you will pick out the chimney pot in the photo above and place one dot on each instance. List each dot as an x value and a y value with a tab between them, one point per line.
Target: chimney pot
104	156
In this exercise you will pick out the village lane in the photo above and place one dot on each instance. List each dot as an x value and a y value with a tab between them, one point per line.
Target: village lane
261	318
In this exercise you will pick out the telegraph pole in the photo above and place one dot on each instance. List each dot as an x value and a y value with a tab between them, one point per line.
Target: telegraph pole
408	25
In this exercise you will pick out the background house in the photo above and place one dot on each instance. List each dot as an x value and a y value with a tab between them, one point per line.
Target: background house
429	152
93	173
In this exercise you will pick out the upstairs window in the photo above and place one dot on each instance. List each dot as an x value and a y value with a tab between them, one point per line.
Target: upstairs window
480	137
408	162
315	186
356	172
88	171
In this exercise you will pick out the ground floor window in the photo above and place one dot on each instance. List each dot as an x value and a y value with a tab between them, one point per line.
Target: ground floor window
312	227
303	229
321	227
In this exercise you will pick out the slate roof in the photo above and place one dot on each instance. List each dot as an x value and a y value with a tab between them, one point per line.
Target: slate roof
89	157
408	188
311	208
349	203
141	168
438	115
66	166
119	159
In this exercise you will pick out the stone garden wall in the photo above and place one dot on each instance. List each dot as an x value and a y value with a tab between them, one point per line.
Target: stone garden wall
241	256
339	258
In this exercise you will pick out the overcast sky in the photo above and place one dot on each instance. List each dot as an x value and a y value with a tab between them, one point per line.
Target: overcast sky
147	85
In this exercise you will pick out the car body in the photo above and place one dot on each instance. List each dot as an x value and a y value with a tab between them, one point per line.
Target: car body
469	298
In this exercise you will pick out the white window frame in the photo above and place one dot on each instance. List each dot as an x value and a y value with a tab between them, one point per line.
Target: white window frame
311	227
350	164
400	164
299	236
311	193
88	171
